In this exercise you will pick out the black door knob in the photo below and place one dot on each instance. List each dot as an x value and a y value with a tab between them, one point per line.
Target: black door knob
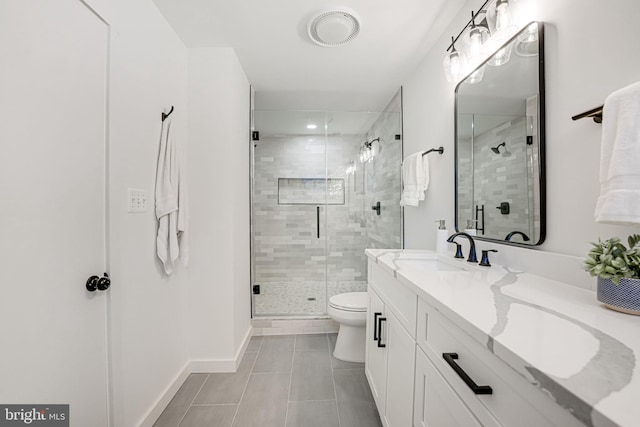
104	283
95	283
92	283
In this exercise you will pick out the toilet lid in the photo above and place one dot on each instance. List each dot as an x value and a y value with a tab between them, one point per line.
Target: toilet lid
351	301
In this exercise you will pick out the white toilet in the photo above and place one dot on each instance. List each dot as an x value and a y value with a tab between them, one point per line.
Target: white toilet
350	311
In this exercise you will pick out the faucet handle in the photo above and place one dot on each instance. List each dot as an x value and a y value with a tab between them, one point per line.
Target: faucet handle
485	257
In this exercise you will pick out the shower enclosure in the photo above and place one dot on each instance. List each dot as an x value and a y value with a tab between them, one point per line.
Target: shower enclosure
316	177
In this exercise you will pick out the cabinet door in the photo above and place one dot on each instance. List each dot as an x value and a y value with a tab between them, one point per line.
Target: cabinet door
376	358
436	404
401	352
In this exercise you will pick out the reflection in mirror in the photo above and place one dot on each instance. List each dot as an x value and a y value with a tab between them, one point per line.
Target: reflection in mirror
500	185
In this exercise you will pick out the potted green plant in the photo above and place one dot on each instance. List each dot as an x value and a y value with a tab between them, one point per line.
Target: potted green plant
618	270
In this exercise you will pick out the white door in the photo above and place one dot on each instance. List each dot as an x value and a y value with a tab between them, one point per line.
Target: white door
436	404
53	75
401	349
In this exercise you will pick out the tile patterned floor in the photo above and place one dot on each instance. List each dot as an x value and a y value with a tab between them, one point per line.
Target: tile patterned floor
282	381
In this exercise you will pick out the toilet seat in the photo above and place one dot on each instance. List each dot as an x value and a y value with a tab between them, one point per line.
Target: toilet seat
351	301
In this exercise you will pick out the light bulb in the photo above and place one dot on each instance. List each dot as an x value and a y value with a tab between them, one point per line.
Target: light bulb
476	39
503	15
455	65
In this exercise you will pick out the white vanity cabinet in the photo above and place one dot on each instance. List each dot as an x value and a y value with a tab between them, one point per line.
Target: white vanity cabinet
436	403
414	384
390	352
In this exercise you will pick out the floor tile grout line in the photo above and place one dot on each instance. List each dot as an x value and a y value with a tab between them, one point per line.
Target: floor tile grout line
333	378
313	400
235	415
213	404
293	355
193	400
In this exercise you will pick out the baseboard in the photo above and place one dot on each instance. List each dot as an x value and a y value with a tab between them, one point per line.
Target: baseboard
164	399
222	365
243	348
193	367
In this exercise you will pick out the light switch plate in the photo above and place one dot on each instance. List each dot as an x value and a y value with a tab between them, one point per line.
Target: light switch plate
136	200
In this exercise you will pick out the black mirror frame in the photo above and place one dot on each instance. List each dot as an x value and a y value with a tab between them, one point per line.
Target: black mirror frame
541	142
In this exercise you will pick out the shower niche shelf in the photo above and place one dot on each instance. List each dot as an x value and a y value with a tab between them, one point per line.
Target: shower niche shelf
311	191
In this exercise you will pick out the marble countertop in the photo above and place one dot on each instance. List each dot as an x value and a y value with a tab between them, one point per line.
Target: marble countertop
558	337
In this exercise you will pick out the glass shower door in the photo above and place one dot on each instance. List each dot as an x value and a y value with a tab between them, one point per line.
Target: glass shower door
289	214
313	190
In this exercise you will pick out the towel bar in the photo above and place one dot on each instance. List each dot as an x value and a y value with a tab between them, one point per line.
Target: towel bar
440	150
595	114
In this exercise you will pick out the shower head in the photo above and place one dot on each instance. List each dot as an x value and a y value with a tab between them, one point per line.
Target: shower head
496	149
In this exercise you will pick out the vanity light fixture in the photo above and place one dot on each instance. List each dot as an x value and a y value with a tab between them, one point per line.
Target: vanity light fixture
487	30
453	64
312	126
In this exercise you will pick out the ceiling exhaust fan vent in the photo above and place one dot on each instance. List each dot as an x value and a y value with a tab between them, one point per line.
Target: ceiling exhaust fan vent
334	28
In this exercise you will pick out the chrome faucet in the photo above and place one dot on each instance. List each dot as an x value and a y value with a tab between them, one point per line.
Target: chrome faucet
513	233
472	246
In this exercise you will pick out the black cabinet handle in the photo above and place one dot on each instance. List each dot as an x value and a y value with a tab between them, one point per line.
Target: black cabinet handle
380	320
450	358
318	222
375	325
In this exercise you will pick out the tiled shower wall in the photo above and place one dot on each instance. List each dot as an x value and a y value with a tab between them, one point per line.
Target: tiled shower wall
500	178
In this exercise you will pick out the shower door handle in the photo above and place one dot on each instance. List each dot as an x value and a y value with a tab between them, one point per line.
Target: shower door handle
318	222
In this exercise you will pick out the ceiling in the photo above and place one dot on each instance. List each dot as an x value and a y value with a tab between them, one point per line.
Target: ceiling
288	71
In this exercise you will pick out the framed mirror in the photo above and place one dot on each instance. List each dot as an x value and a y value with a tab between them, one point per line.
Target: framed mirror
499	144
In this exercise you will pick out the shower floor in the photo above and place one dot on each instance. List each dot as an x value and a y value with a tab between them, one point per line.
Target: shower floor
305	298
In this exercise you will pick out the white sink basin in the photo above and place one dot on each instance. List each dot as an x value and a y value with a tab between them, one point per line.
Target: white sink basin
423	264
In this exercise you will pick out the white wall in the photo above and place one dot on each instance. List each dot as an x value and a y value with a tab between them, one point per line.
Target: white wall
219	184
590	52
148	75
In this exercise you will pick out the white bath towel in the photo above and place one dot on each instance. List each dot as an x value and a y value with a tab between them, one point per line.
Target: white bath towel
171	202
619	201
415	178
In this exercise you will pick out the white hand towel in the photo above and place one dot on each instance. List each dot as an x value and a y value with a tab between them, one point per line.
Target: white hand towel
171	202
619	201
415	178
